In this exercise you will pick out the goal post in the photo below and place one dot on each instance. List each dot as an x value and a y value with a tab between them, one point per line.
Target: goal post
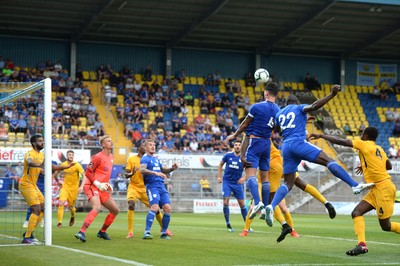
12	94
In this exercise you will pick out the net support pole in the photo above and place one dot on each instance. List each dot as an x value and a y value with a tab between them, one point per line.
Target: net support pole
47	161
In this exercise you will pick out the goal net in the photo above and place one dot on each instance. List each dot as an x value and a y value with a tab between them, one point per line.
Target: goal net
26	110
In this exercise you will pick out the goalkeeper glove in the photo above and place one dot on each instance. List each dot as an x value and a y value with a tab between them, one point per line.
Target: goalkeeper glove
101	186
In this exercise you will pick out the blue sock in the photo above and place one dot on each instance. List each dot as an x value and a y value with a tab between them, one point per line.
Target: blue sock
165	222
265	192
28	214
150	219
340	173
243	210
226	213
252	184
279	195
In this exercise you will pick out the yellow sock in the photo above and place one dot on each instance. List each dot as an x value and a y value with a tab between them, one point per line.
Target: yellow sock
131	218
278	215
359	228
288	218
315	193
60	213
33	220
159	218
395	227
73	211
247	222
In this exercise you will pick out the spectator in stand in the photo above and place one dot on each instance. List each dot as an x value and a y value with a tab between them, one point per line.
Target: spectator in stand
319	121
126	73
217	78
102	73
58	66
209	80
396	130
13	123
205	186
136	137
147	73
189	99
389	114
194	145
392	152
181	76
92	134
78	72
347	130
3	132
249	80
396	114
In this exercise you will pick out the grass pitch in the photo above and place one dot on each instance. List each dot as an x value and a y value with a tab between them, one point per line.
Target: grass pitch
202	239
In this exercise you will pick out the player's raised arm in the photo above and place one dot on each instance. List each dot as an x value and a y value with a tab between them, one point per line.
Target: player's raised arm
169	170
144	171
332	139
242	127
321	102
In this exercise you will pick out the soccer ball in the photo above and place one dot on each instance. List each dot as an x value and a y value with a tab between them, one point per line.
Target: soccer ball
261	75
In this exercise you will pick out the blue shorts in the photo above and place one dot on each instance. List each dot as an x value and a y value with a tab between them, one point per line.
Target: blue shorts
258	153
229	187
294	152
158	195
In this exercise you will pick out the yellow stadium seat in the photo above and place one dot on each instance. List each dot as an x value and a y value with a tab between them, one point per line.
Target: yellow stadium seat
93	75
138	77
193	80
85	75
200	80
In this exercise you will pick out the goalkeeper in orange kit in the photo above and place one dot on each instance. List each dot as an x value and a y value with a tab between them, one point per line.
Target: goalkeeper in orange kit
98	190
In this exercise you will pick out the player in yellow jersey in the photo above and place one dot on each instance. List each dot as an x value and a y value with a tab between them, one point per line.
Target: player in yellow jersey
33	166
70	187
137	189
381	197
275	176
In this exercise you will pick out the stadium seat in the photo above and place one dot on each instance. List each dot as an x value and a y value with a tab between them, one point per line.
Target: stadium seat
93	76
138	77
85	75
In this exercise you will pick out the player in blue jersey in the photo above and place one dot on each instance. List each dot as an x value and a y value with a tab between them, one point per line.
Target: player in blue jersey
291	121
153	175
258	125
232	181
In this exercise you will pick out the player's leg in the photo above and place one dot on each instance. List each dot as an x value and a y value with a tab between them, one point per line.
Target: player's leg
60	209
251	148
131	197
28	215
72	197
287	225
94	200
34	199
110	204
359	228
279	196
165	202
131	217
316	194
154	201
247	222
264	167
226	193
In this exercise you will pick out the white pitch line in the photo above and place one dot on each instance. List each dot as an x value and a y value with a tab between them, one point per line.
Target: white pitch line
130	262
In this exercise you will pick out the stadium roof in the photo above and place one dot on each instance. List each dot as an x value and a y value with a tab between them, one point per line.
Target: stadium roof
343	28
